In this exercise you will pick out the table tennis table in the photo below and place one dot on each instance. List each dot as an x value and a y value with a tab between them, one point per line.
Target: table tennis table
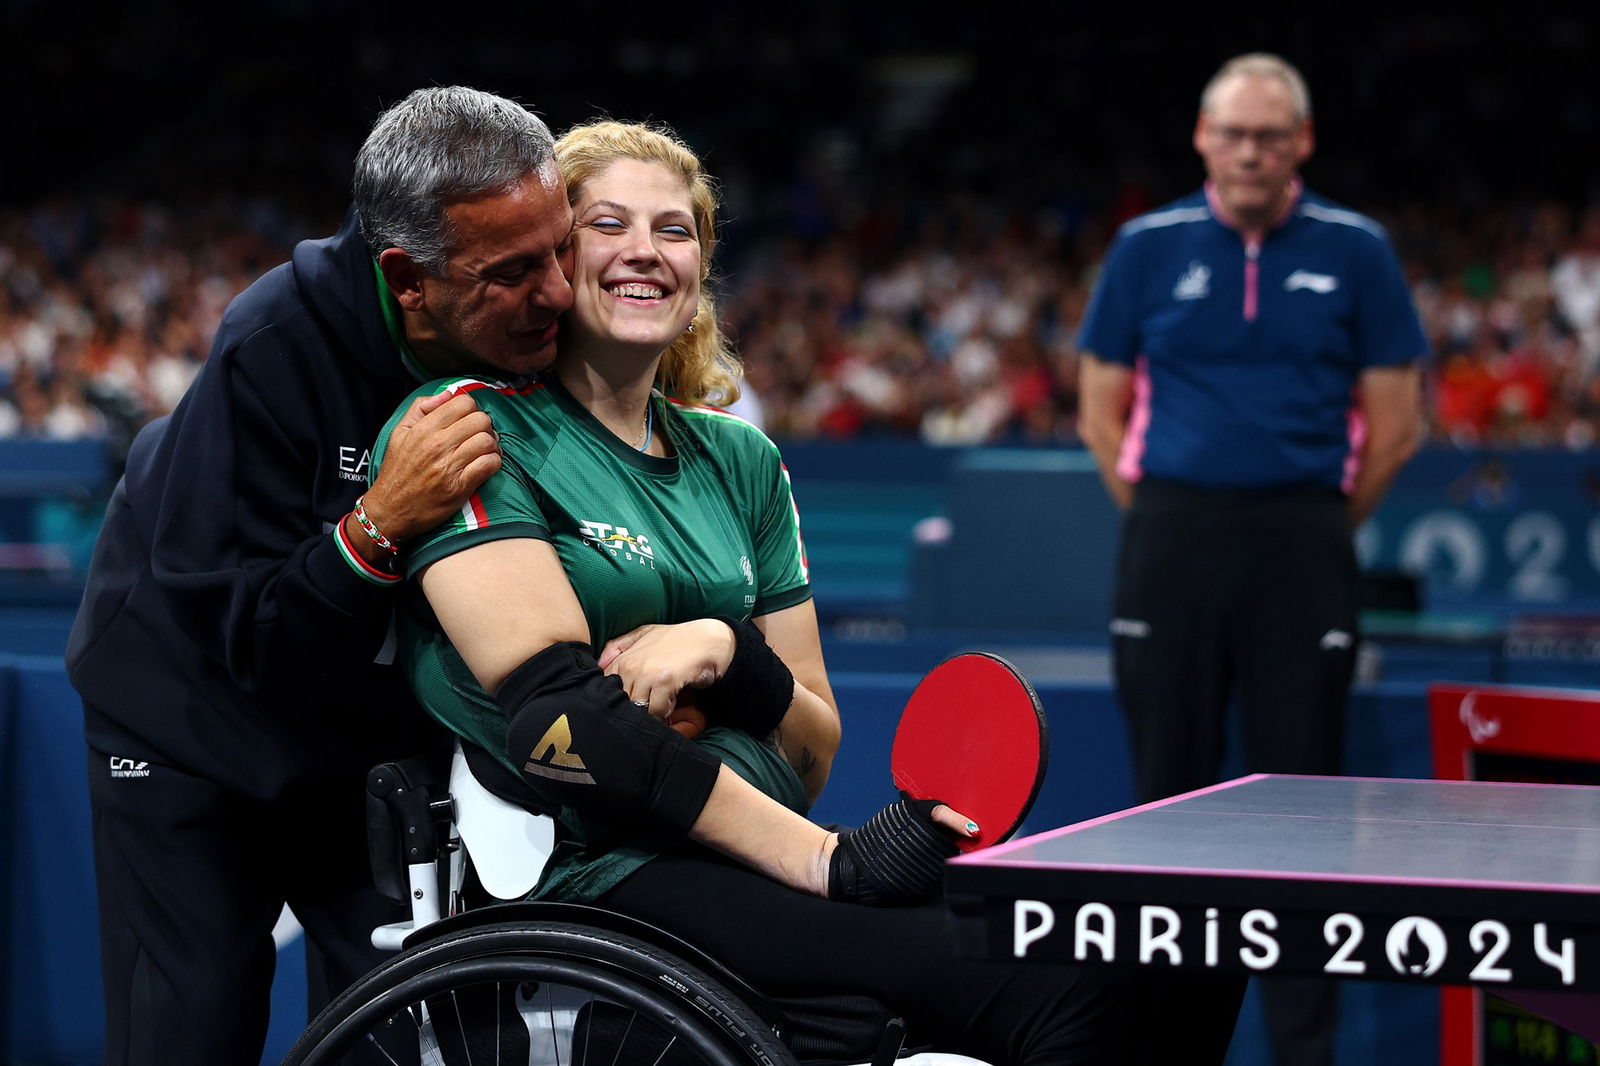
1447	882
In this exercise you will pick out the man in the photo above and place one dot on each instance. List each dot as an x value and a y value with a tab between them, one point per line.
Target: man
1228	338
233	648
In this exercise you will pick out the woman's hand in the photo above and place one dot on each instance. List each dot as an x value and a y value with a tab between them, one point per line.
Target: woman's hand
898	856
658	663
958	825
740	821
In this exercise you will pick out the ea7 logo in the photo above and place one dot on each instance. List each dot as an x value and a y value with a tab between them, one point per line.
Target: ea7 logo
121	767
353	463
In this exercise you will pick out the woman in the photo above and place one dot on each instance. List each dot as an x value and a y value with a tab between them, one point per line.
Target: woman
662	532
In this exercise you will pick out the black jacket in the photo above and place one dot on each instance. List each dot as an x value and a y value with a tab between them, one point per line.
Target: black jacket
221	630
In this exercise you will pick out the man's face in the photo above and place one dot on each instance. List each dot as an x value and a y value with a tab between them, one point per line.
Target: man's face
1252	145
504	283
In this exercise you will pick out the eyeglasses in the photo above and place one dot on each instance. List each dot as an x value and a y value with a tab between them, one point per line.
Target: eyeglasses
1267	138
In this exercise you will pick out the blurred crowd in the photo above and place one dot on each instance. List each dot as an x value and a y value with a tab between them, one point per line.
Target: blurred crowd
954	323
107	308
967	335
916	207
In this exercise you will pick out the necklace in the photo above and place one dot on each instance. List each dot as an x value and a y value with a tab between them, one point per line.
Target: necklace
643	440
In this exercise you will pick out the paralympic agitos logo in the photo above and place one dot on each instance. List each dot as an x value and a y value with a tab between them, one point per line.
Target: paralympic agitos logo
1415	947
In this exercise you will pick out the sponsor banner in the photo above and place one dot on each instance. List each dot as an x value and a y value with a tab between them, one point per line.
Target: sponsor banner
1518	528
1489	950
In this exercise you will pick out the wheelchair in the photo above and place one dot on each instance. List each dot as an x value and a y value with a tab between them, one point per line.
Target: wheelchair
483	976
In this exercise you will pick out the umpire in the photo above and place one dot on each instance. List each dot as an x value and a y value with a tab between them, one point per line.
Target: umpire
234	648
1249	389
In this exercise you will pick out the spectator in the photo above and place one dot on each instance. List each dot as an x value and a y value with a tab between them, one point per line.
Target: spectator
1575	282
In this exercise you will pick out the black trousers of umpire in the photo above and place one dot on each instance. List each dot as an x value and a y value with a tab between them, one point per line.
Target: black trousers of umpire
1246	595
191	879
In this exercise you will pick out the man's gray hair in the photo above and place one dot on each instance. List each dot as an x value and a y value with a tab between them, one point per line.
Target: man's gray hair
1266	65
437	145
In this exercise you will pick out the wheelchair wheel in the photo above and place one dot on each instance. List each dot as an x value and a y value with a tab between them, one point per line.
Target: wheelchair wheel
545	994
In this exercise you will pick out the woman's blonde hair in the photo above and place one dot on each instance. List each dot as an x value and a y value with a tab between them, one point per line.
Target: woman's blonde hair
698	365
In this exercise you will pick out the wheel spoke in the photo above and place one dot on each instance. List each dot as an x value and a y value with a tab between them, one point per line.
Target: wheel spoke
550	1012
666	1049
623	1041
373	1040
461	1027
626	1013
588	1030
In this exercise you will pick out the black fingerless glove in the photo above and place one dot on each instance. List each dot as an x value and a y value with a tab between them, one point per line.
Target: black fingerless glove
896	857
754	693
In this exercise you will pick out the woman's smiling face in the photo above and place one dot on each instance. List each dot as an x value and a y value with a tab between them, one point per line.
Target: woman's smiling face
636	270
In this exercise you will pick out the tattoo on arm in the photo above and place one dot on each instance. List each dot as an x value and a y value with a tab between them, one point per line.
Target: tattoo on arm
803	761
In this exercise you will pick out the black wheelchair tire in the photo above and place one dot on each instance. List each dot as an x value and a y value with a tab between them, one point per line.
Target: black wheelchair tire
676	996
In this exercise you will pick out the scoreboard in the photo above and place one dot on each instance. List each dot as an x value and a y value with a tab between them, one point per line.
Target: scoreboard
1513	734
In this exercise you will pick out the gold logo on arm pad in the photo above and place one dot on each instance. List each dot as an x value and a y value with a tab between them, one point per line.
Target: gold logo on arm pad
553	756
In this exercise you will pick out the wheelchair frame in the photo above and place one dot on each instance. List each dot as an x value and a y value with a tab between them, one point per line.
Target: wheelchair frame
419	842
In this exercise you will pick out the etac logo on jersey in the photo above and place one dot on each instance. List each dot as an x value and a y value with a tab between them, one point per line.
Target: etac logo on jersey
619	541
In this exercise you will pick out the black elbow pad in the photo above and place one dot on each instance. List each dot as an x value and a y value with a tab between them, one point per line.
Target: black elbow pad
582	743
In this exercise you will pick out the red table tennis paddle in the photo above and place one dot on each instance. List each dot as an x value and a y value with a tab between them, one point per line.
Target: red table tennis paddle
973	736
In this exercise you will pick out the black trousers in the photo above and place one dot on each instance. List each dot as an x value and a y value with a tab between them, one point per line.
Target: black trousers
191	879
1013	1014
1246	596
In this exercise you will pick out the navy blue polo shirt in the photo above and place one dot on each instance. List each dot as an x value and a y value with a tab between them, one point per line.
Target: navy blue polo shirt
1248	352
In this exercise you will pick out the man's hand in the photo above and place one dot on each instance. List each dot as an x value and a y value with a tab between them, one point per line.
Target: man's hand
1105	395
1391	407
442	449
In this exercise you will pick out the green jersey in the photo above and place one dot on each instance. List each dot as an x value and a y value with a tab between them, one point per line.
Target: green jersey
709	531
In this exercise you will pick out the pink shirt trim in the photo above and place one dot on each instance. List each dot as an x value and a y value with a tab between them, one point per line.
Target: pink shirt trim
1356	429
1130	460
1296	187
